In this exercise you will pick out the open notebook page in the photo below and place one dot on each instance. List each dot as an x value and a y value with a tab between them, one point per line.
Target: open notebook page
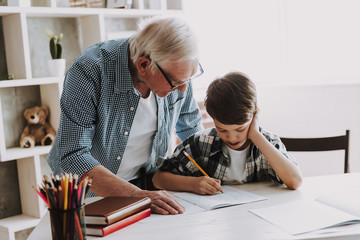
231	196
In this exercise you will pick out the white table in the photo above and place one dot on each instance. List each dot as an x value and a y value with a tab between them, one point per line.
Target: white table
231	222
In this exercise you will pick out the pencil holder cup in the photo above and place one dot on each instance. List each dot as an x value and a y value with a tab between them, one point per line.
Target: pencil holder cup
68	224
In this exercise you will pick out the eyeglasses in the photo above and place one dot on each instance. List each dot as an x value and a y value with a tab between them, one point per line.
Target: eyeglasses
172	86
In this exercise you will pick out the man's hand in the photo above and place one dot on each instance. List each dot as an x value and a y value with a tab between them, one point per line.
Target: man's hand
103	185
161	202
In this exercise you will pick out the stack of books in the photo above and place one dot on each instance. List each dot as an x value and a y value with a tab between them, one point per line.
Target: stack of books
113	213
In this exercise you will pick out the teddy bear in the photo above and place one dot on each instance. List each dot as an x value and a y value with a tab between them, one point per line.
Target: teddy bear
37	131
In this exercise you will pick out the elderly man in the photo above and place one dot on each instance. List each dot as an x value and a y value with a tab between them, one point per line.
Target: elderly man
120	103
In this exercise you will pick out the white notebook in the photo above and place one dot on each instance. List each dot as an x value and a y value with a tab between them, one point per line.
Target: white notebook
231	196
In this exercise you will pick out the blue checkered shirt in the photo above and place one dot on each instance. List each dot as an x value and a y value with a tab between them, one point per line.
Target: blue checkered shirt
206	148
98	105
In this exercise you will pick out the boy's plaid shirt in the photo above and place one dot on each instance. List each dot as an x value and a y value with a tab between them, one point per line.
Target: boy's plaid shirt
206	148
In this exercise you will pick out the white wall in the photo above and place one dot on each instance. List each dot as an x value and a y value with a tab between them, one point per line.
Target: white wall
237	35
304	57
314	111
277	41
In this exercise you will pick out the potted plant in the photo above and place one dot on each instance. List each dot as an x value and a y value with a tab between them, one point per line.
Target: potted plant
57	64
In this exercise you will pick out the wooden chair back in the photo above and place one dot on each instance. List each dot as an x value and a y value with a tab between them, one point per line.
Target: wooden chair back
320	144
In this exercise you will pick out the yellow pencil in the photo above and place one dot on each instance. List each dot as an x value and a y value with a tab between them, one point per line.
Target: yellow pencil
193	161
197	165
66	187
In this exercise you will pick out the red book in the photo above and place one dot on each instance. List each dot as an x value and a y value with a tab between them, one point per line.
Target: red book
100	230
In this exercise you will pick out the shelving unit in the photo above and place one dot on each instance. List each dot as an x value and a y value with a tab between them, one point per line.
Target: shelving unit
26	47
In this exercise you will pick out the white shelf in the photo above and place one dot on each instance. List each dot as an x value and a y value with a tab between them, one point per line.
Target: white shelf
9	226
19	222
79	12
19	153
20	37
29	82
4	11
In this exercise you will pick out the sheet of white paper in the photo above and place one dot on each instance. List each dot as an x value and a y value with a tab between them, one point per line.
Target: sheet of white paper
339	231
348	201
231	196
304	216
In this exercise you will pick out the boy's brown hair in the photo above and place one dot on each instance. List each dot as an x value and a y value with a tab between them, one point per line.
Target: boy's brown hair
231	99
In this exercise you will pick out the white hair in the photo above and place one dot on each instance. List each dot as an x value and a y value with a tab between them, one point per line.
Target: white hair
163	40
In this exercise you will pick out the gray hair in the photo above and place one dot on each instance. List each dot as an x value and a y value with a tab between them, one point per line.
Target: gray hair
163	40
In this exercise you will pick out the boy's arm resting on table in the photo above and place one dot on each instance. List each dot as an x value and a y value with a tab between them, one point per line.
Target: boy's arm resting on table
287	171
105	183
173	182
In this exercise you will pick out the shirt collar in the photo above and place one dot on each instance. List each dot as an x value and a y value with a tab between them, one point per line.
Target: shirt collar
123	82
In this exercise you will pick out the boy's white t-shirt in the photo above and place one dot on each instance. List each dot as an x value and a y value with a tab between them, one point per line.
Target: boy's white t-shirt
138	148
236	173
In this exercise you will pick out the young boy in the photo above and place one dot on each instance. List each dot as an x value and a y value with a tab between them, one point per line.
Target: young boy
236	151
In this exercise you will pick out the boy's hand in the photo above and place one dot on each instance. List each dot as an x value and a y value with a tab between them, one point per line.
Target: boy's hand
254	126
206	185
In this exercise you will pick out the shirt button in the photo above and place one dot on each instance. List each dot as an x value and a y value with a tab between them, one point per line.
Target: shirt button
132	108
118	158
126	133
